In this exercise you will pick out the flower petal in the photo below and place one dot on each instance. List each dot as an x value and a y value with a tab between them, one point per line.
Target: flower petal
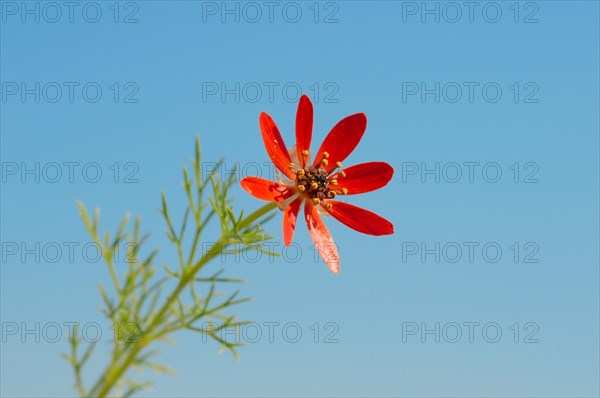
304	127
322	238
360	219
289	221
265	189
364	177
275	145
342	139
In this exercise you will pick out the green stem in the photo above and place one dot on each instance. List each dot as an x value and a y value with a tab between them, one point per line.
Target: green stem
257	214
115	370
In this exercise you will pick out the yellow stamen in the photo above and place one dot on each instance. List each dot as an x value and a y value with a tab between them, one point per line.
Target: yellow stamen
324	162
291	166
301	173
338	164
305	152
325	155
333	182
328	206
314	186
301	188
316	201
333	194
342	173
344	191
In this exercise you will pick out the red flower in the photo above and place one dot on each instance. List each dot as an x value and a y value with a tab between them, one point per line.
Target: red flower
316	184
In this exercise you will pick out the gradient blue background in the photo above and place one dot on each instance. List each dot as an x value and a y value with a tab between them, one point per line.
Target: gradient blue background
368	53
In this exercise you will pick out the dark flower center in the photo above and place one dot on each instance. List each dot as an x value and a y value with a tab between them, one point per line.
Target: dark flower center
313	182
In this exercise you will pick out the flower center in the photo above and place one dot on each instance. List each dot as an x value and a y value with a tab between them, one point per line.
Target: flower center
313	182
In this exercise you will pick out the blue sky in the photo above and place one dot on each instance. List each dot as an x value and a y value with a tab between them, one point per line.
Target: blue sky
505	87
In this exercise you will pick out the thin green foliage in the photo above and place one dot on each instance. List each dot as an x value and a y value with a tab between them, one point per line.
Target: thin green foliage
138	304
